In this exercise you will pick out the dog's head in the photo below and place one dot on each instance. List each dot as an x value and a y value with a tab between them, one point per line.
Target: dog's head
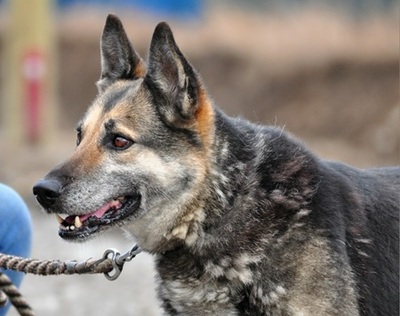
142	147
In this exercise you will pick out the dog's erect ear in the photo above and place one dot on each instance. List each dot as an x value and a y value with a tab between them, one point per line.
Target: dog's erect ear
172	77
118	59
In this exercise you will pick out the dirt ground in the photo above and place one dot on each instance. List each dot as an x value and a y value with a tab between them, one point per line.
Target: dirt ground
330	79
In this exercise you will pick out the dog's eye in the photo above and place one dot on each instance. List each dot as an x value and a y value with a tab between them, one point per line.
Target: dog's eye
120	142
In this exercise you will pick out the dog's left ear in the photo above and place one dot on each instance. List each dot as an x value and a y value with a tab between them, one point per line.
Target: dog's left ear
119	61
172	78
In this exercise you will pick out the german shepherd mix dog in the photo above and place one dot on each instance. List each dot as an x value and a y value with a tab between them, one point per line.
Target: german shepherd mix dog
242	219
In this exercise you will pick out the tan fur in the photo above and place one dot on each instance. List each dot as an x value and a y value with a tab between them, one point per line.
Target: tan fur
205	118
140	70
316	273
88	156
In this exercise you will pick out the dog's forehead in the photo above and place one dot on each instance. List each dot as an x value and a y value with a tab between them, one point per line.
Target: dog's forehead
122	98
121	93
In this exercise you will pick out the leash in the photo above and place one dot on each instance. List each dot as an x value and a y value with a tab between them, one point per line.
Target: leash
111	265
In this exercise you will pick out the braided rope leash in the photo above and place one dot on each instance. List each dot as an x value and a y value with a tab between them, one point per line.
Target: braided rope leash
111	265
7	289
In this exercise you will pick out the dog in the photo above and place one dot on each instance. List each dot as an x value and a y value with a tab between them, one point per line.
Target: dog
242	219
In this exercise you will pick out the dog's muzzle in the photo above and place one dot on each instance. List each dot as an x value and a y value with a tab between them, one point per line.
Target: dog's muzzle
81	226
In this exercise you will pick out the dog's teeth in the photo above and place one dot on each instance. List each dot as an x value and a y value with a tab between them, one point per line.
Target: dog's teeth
72	227
77	222
59	219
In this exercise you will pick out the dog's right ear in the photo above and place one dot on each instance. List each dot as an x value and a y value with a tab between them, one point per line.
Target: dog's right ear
119	61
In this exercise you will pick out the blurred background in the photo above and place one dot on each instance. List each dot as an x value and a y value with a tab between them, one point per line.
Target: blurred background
328	71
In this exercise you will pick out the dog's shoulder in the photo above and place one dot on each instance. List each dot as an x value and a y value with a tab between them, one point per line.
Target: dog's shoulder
360	208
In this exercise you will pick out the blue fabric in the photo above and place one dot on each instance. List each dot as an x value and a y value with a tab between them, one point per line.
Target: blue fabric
172	8
15	231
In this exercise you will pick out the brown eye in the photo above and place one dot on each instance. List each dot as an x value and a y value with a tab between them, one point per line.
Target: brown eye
121	142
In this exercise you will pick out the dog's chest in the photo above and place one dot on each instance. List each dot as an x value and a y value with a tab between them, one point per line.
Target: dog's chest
197	297
211	286
233	293
199	287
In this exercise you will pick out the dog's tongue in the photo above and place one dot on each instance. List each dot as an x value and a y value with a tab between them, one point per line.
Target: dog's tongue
98	213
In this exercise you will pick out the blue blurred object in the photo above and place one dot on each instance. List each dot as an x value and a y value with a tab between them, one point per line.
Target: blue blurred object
184	8
178	8
15	232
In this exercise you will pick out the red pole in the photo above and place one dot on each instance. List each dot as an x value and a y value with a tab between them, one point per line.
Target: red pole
34	72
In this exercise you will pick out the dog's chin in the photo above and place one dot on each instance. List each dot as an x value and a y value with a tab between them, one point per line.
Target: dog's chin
113	213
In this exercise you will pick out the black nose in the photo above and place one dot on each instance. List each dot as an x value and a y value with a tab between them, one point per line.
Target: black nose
47	192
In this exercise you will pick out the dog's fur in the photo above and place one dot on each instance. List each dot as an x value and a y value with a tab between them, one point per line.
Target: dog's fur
242	219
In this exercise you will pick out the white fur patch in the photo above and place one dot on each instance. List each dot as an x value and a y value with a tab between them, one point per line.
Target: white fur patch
205	298
234	268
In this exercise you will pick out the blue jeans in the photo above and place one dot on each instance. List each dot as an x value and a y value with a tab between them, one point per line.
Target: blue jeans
15	231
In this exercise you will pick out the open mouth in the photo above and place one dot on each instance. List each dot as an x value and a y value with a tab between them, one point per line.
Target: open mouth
82	226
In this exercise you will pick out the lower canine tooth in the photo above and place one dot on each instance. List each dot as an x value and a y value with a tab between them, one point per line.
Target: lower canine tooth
77	222
59	219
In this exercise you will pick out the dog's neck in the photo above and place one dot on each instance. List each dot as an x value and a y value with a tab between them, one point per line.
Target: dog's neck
249	164
248	167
